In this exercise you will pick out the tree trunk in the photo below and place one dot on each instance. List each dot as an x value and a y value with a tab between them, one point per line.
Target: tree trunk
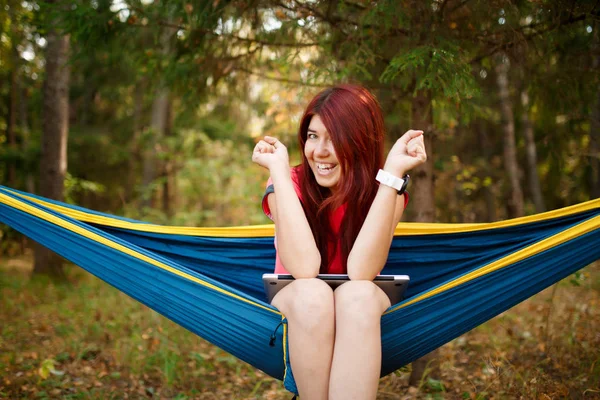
134	146
11	133
421	191
25	139
422	203
53	163
158	124
486	150
168	168
160	108
10	128
595	149
595	124
515	201
534	177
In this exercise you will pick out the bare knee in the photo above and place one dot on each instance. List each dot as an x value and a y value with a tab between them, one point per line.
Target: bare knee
363	302
308	302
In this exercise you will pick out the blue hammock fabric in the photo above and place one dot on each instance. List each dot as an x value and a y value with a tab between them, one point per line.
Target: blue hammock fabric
209	280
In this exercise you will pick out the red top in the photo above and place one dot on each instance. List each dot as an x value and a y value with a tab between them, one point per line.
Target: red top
335	219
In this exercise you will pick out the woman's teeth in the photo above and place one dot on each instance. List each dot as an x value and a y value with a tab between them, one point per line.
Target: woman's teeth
325	168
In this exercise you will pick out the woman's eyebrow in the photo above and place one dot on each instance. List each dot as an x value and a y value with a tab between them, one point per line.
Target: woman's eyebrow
311	130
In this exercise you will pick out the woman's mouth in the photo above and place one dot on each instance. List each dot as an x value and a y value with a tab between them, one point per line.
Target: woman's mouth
325	169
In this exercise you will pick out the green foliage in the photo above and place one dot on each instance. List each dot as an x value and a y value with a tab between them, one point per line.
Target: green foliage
232	71
577	278
217	184
77	187
435	385
436	69
10	241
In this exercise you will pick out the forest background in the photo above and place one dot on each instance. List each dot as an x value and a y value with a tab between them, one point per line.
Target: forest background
150	110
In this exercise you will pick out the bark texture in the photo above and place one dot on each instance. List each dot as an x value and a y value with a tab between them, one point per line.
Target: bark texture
595	149
595	124
25	137
53	163
168	170
422	204
158	126
11	133
486	150
421	190
136	158
515	200
532	171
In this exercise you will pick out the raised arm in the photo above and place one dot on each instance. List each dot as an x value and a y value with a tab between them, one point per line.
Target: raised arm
371	248
296	245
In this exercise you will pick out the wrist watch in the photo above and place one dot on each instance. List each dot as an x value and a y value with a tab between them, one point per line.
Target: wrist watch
392	181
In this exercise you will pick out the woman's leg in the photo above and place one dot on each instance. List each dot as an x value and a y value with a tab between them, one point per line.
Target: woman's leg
308	306
356	362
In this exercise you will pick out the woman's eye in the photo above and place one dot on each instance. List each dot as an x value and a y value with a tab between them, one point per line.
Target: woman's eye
312	136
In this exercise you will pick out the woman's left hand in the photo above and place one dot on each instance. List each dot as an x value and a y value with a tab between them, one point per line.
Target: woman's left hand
407	153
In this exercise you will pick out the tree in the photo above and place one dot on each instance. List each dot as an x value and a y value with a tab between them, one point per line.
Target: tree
53	163
531	148
595	121
515	201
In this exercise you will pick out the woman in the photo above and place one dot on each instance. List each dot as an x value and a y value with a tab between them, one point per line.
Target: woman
332	216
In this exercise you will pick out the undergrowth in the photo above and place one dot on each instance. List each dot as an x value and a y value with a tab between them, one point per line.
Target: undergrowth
86	340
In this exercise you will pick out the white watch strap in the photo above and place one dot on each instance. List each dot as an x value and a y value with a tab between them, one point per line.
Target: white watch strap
390	180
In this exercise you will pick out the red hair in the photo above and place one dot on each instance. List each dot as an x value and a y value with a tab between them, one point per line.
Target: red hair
353	118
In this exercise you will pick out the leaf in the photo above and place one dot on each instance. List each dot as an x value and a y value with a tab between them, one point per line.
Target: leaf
577	279
435	385
47	368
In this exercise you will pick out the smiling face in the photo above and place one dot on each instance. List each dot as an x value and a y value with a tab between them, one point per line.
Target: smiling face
321	155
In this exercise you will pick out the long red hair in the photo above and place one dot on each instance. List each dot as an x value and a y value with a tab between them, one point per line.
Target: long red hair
353	118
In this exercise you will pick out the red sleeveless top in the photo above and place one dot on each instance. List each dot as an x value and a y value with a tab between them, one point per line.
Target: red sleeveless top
335	219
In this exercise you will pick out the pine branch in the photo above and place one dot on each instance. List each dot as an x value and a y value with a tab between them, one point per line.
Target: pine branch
225	36
335	21
527	37
284	80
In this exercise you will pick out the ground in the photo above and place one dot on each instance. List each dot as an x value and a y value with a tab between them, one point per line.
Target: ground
86	340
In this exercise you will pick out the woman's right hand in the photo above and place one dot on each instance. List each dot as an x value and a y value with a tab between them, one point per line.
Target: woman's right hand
271	153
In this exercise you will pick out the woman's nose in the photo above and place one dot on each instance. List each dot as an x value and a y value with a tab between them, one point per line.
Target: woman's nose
323	148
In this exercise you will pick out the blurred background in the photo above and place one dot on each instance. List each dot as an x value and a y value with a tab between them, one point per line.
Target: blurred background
150	110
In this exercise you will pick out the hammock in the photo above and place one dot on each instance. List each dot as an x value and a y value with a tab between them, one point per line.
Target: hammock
208	280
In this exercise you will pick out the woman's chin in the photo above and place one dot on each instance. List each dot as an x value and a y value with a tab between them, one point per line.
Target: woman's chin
329	182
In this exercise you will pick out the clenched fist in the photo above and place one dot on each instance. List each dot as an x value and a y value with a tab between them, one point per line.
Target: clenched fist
271	153
407	153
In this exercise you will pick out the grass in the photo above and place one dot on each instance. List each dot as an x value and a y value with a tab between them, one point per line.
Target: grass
86	340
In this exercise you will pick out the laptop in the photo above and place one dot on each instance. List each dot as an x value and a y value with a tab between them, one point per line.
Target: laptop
392	285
